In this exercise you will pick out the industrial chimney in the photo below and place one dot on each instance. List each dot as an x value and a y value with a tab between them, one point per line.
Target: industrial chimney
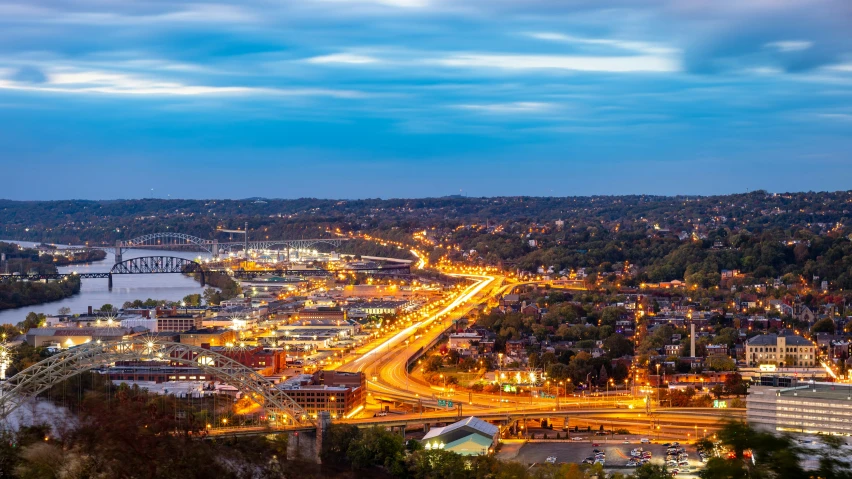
692	340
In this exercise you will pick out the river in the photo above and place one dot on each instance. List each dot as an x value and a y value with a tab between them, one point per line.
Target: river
126	287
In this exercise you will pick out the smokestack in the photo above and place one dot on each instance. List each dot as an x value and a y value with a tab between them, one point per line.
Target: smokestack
90	310
692	340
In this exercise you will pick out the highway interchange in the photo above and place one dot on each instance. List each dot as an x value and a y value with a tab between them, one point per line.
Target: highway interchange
385	362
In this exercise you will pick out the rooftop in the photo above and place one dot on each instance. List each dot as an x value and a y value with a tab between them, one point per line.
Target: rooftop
772	339
830	391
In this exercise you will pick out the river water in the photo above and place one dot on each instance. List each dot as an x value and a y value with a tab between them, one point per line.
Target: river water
125	287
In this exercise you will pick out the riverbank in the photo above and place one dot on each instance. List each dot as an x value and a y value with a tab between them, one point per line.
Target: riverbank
15	293
129	287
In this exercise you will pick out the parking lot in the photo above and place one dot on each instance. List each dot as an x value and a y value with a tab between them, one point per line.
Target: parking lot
617	453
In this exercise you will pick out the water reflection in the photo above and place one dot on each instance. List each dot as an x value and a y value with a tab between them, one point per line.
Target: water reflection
94	292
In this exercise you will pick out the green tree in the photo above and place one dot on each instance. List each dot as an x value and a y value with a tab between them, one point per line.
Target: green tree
377	447
193	300
652	471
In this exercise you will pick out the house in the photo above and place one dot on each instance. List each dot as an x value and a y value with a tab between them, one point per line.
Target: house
468	437
510	299
516	347
672	349
464	343
717	349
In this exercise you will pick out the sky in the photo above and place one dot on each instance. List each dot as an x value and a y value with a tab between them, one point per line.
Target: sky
104	99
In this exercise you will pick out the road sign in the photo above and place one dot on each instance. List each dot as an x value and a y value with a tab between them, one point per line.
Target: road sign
445	403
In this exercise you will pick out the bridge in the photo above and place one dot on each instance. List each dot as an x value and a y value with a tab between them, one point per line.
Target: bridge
173	264
214	247
141	265
281	410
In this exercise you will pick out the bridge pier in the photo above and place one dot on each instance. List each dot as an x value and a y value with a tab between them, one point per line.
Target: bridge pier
323	425
118	252
109	279
215	250
202	278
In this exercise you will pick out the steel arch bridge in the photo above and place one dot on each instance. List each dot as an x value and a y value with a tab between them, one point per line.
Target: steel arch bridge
156	264
29	383
296	244
171	240
160	240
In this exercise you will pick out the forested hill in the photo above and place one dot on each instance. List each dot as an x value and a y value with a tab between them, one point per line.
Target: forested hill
76	221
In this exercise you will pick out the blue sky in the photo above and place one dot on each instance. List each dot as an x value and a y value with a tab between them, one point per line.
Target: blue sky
407	98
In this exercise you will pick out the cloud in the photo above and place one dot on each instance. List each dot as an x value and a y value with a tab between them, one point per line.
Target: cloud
88	82
406	4
201	13
512	107
521	62
343	58
640	47
836	116
790	45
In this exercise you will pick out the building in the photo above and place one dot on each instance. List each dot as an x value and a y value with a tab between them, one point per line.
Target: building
266	361
337	392
323	312
717	349
155	371
468	437
377	291
212	337
179	322
464	343
69	337
780	350
516	347
812	408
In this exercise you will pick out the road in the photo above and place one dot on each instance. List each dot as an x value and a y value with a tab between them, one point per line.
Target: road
385	365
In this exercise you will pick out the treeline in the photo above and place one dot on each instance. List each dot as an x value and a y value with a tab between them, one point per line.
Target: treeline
106	221
15	293
222	287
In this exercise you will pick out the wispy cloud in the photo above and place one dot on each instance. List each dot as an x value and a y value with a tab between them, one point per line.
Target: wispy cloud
634	46
388	3
520	62
343	58
836	116
790	45
88	82
512	107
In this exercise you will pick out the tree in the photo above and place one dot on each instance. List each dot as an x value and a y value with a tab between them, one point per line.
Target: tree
617	346
212	297
336	443
652	471
718	391
435	464
193	300
64	311
377	447
107	308
718	362
33	320
734	384
824	326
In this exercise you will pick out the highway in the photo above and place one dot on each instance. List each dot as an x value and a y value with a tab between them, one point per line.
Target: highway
385	364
